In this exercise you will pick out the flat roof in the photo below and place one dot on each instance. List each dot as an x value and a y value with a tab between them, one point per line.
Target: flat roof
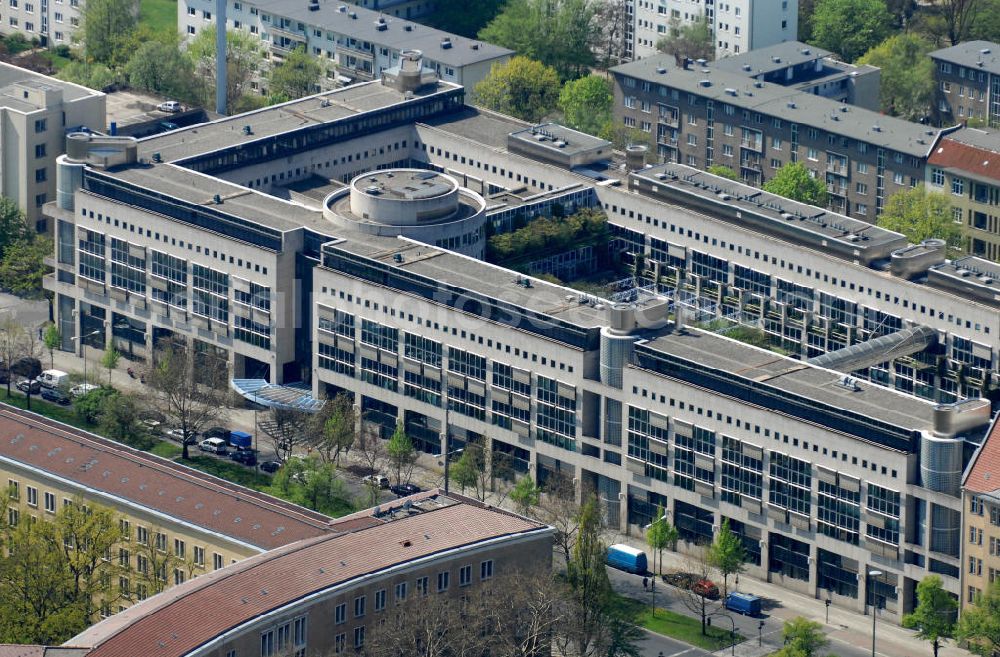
984	55
398	34
141	479
559	139
405	184
184	617
786	103
771	58
12	98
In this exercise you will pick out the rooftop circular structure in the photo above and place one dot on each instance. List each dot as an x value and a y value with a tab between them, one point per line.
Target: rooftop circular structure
423	205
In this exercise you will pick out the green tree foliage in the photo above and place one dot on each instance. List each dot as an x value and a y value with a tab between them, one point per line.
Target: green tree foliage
920	214
121	420
466	470
53	341
850	28
907	87
106	27
727	554
548	235
692	40
338	432
621	135
89	74
521	87
464	18
22	267
110	358
244	55
560	33
660	535
314	484
90	407
796	182
987	23
525	495
401	454
979	624
934	616
586	103
13	226
295	77
161	68
803	638
722	171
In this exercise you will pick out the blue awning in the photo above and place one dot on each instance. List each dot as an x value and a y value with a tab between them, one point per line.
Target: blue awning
289	397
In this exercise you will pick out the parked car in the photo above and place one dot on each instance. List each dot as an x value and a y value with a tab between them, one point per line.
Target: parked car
53	379
706	589
376	480
402	490
171	106
270	466
55	395
32	386
244	456
213	445
178	435
81	389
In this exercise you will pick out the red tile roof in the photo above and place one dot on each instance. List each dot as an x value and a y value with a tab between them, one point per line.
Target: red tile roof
971	159
154	483
189	615
983	475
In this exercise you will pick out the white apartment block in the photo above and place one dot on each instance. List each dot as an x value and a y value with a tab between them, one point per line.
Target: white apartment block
739	26
333	241
36	112
353	43
52	22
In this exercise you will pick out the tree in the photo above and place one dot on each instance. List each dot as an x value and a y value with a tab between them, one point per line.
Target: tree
110	358
161	68
314	484
699	562
89	74
987	24
958	18
121	420
23	267
727	554
723	171
464	471
371	449
525	495
465	19
295	77
339	428
622	135
52	340
559	509
28	366
189	405
612	22
934	616
907	86
106	26
88	534
919	215
13	341
660	534
803	637
586	103
688	40
13	225
850	28
244	55
979	624
796	182
522	87
90	406
401	454
285	429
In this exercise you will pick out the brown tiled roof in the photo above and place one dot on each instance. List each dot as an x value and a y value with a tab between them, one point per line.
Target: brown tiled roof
157	484
189	615
951	154
983	475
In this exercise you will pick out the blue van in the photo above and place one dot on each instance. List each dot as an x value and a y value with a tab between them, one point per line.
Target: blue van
743	603
627	558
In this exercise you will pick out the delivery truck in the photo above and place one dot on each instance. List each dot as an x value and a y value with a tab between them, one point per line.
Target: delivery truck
627	558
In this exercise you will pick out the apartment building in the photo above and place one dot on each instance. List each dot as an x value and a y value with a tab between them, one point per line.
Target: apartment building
738	26
36	112
52	22
702	115
329	594
354	44
966	166
981	519
203	523
967	89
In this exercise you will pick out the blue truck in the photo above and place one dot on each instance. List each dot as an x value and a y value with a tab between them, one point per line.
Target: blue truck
627	558
743	603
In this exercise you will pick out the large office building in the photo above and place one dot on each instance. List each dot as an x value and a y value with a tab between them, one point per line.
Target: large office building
738	26
703	114
967	86
334	240
966	167
981	526
36	112
354	44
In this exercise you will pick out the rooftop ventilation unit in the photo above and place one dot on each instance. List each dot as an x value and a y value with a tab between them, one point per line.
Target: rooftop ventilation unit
747	67
397	257
353	15
775	59
247	130
342	9
791	105
381	25
701	62
407	28
806	51
876	128
661	70
157	158
758	84
475	46
313	5
984	51
446	43
731	92
704	83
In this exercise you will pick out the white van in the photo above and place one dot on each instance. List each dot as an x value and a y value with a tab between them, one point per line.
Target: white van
54	379
213	445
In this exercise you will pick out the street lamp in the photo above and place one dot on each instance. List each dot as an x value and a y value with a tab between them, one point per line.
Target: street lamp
446	455
732	635
829	601
83	347
872	574
760	633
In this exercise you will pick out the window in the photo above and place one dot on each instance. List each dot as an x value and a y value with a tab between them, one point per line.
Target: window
422	585
32	496
41	175
267	643
465	575
40	148
380	600
299	636
179	548
486	569
340	614
957	186
359	606
161	541
199	556
217	561
13	489
400	591
443	580
41	125
50	502
178	576
937	177
359	637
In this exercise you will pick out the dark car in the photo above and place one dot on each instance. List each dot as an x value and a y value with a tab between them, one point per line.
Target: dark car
402	490
694	583
24	385
245	456
217	432
270	466
55	395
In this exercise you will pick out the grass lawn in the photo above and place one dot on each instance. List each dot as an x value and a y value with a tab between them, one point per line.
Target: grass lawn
54	411
166	449
159	15
678	626
58	63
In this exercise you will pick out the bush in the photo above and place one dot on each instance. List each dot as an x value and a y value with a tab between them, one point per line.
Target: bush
62	50
90	406
548	235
